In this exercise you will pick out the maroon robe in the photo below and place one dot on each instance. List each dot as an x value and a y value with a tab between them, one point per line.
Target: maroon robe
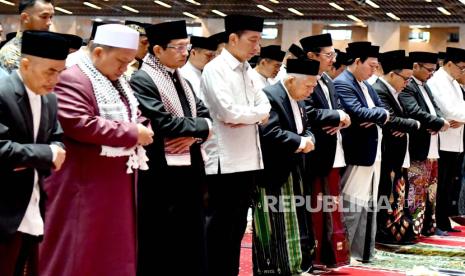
90	217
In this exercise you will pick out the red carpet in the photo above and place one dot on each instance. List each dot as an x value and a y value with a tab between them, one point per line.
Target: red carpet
455	239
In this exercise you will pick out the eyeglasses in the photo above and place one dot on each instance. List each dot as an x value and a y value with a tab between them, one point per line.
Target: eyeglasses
430	70
328	55
462	68
180	48
403	77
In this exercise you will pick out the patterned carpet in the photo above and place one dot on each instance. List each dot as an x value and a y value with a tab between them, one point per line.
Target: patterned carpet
443	255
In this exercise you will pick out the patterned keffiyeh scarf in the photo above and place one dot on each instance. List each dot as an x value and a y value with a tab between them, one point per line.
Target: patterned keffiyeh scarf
165	85
111	107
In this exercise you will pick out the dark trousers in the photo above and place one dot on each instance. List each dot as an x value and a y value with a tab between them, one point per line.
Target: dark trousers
229	198
449	181
18	255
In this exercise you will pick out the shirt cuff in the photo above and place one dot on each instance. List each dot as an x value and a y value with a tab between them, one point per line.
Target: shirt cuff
302	144
387	117
418	124
54	149
342	115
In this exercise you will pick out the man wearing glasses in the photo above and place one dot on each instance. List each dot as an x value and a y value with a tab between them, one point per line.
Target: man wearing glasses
418	103
326	118
448	95
394	227
170	192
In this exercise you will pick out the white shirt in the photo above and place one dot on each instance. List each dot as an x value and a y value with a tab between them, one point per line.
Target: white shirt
229	94
371	104
448	95
295	111
193	75
258	80
32	222
75	57
395	94
433	152
339	160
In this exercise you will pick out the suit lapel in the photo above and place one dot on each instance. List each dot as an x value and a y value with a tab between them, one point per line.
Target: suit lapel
286	104
332	92
394	104
24	105
358	89
320	94
420	97
44	119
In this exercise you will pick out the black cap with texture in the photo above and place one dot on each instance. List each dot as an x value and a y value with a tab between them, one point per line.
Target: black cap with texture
45	45
303	67
394	60
296	51
361	49
163	33
75	42
203	43
316	41
219	38
273	52
455	54
238	22
424	57
138	26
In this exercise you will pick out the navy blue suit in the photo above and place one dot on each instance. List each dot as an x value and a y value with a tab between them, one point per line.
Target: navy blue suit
360	143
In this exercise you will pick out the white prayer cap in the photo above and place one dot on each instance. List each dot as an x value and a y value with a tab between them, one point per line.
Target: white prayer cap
117	35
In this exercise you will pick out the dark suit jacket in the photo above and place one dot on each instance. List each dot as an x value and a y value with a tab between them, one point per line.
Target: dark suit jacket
18	150
321	160
360	144
394	147
279	139
415	107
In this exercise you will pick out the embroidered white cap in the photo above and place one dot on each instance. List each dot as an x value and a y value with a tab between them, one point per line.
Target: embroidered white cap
117	35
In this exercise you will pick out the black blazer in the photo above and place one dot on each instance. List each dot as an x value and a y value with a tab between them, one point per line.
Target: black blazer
360	144
393	147
279	139
165	125
321	160
18	150
415	107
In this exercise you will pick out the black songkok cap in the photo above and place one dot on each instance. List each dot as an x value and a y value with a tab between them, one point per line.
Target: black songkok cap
341	59
95	24
45	45
316	41
237	22
138	26
424	57
75	42
163	33
361	49
455	54
394	60
303	66
219	38
441	55
273	52
203	43
297	51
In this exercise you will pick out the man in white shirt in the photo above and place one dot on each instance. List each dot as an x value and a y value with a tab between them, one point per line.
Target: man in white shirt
448	95
326	119
268	65
234	154
418	103
202	52
30	143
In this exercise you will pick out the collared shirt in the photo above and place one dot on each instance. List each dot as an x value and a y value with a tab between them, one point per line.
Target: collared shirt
433	152
339	159
193	75
371	104
32	222
228	92
75	57
295	111
10	54
258	80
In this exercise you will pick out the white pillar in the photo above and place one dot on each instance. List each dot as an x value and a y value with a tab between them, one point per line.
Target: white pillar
384	34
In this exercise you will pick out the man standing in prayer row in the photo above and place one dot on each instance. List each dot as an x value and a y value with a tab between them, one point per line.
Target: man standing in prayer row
326	119
181	123
418	103
202	52
449	97
90	223
283	241
395	225
234	153
339	66
268	65
141	50
34	15
30	143
293	52
362	147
